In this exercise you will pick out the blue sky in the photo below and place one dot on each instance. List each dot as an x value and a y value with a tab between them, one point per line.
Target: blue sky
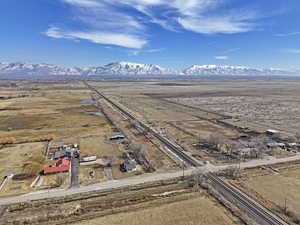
170	33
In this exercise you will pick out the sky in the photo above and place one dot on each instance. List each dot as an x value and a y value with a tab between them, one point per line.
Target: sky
169	33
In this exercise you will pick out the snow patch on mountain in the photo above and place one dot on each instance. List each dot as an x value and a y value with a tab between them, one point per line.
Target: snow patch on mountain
231	70
129	68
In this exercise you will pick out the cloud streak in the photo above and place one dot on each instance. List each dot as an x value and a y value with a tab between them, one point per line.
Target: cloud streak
291	51
123	40
138	52
222	57
85	3
231	50
126	22
288	34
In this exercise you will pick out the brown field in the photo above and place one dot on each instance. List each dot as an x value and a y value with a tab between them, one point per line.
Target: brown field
20	158
49	109
276	187
98	146
199	210
187	112
51	181
173	203
202	129
11	156
85	178
267	106
190	112
258	105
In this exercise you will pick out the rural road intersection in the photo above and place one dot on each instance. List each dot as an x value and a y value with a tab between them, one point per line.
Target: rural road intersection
112	184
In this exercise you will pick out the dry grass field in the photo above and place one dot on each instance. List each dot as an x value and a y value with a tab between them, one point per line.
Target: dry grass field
199	210
188	112
13	158
49	109
185	111
174	203
203	129
277	187
85	178
266	106
20	158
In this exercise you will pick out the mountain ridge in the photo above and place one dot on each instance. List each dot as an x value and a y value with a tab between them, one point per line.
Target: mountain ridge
130	68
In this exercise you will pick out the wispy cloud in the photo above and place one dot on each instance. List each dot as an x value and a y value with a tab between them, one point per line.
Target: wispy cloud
123	40
138	52
101	20
55	32
291	50
222	57
288	34
227	24
231	50
153	50
86	3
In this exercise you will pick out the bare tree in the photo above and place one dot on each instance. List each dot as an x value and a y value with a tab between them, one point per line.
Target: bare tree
216	140
111	160
135	147
297	136
59	180
292	139
199	179
259	145
257	153
232	172
231	146
132	125
141	154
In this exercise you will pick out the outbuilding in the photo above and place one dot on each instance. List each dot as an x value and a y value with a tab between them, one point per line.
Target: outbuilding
272	132
89	159
276	145
243	151
117	137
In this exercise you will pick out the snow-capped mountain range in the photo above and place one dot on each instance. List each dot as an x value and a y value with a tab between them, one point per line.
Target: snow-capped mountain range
233	70
129	68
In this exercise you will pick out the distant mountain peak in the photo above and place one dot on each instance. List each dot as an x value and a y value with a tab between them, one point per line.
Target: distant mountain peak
131	68
231	70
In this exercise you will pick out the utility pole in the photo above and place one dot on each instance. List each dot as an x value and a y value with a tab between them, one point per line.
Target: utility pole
182	170
75	169
239	162
285	205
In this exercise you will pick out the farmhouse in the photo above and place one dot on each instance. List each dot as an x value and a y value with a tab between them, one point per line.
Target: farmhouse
62	165
128	165
243	151
65	151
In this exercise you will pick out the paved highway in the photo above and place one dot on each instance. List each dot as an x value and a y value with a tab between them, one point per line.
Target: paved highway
52	193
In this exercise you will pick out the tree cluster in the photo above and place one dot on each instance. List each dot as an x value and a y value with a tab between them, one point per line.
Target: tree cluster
141	155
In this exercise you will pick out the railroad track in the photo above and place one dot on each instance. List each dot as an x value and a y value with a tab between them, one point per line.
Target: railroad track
256	211
176	149
259	213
